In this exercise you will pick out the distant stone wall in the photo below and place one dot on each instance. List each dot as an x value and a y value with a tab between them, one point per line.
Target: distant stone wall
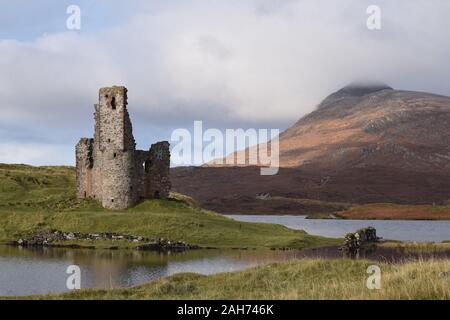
109	168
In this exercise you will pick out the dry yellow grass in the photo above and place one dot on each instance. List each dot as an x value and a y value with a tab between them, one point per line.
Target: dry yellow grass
421	247
305	279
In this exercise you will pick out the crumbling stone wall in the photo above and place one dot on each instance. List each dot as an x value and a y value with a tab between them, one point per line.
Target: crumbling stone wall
157	171
109	168
355	240
141	157
85	163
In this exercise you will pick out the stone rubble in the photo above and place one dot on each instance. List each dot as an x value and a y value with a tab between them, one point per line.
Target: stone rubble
50	238
354	240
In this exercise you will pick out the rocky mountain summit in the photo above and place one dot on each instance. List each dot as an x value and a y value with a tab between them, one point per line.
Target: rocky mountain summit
364	143
374	125
352	91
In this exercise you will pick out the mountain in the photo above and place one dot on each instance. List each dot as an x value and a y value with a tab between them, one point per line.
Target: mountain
365	143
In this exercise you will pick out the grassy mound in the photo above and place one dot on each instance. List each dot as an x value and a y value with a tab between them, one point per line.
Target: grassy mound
34	199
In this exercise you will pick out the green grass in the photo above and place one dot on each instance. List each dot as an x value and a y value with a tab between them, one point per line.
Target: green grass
305	279
43	198
28	188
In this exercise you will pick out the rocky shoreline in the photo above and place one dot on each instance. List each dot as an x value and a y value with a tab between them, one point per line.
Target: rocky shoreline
53	239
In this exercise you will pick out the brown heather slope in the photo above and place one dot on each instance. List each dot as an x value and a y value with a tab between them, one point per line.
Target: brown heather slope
363	144
386	211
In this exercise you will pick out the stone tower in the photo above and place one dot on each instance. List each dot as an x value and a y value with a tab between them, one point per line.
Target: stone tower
109	168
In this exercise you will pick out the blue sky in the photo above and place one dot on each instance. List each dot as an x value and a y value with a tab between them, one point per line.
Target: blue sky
26	20
231	64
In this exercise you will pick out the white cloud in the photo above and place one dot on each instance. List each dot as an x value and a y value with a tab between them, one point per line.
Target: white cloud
228	63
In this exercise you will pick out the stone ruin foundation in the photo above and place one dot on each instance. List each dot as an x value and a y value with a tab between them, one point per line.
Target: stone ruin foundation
109	168
354	241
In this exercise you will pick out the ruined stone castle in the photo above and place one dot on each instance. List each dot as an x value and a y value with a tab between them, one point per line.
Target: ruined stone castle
109	168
